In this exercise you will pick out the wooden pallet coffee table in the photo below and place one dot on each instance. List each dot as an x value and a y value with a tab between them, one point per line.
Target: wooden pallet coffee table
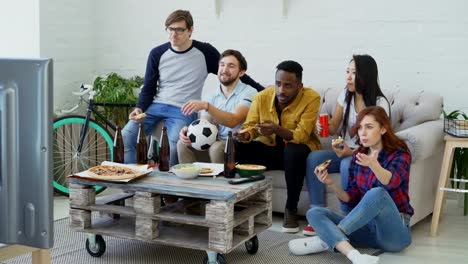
213	215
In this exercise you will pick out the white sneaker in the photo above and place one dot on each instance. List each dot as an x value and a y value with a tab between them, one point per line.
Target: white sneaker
308	245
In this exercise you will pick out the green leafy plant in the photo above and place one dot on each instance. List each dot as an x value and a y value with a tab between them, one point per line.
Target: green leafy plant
114	88
459	170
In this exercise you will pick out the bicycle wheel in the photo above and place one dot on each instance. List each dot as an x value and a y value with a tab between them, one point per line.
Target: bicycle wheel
97	147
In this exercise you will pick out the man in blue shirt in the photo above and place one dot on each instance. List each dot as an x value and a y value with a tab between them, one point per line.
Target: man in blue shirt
175	73
227	107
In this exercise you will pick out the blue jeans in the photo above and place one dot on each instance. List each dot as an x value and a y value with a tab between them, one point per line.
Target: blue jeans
315	186
173	119
375	222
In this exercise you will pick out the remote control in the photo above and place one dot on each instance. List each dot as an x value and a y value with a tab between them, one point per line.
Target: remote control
250	179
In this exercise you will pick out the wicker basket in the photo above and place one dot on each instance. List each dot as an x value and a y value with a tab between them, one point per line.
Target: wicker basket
456	127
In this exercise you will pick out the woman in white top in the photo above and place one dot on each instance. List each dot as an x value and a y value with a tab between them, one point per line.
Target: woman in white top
362	90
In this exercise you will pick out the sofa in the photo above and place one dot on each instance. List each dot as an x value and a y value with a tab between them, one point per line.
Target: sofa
416	119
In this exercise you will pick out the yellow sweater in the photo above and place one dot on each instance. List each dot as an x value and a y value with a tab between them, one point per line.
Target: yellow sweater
299	117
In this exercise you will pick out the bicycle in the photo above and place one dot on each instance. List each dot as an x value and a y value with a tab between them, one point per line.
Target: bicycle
80	142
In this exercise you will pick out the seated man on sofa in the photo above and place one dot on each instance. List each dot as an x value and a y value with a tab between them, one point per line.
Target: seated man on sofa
228	106
279	133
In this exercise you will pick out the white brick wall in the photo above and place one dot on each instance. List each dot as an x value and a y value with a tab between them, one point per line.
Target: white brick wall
19	30
417	45
68	36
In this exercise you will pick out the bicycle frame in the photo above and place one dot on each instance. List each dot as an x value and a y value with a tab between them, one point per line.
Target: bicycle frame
91	109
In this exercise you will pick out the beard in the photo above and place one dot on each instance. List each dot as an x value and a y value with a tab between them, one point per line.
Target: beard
228	81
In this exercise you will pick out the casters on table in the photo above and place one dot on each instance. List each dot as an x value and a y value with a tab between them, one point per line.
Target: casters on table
252	245
95	245
214	258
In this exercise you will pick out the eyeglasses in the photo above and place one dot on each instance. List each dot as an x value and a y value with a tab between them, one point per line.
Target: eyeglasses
175	30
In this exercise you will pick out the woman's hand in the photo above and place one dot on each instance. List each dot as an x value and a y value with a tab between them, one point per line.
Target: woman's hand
318	126
323	176
367	160
343	151
183	136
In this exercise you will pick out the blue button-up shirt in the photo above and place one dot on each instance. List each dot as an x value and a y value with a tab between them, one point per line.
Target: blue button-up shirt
241	95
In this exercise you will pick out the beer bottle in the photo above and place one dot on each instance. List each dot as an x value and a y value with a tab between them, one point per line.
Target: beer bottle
153	152
229	158
164	151
118	146
141	146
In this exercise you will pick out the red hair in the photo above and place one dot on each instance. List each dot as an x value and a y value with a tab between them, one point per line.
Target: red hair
390	141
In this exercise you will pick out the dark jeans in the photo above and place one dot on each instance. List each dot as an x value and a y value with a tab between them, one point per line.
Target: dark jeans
290	157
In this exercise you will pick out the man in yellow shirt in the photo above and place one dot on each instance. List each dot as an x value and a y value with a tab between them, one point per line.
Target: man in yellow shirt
280	133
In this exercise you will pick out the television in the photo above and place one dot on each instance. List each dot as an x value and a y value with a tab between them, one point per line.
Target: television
26	192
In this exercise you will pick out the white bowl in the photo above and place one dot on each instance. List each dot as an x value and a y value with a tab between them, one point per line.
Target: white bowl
186	170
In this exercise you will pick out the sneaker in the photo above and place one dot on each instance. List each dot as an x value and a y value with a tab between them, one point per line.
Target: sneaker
309	231
290	223
308	245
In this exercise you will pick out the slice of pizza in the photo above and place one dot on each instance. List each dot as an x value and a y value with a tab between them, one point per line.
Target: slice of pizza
206	170
338	143
324	165
246	129
140	116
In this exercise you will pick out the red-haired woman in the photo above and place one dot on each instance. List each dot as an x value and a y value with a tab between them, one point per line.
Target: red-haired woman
378	191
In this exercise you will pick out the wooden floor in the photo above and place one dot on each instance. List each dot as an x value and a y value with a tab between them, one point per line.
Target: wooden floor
450	246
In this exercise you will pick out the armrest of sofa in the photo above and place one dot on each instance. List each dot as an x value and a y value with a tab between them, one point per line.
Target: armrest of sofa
424	139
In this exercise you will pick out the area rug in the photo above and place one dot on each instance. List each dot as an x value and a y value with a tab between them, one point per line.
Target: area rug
69	248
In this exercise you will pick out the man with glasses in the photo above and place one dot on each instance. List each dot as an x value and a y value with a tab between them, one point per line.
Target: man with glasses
175	74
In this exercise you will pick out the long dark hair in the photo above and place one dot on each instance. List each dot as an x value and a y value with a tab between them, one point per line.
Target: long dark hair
366	83
390	141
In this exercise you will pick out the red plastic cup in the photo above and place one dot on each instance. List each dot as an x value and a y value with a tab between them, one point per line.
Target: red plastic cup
323	120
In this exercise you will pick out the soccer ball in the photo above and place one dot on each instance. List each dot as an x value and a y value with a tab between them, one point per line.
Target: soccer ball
202	134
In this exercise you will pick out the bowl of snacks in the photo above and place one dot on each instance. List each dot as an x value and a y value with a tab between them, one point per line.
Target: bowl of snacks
186	170
248	170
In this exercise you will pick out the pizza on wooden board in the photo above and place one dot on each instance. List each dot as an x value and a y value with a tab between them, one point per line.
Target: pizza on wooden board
111	172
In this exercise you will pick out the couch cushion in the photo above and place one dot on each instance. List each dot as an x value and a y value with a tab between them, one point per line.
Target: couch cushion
424	139
328	99
411	109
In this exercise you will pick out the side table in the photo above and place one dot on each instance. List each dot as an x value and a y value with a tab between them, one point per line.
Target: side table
450	144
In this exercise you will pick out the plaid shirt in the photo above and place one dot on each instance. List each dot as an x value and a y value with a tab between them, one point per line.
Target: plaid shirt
362	179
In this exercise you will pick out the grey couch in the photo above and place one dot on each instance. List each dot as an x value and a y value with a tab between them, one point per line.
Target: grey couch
416	119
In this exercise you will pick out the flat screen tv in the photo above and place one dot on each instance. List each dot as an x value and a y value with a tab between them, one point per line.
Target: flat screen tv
26	207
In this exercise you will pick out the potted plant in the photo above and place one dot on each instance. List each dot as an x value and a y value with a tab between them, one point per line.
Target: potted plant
114	88
456	123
